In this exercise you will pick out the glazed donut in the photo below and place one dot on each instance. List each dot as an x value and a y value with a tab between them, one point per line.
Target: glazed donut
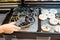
42	17
53	11
45	28
53	21
51	15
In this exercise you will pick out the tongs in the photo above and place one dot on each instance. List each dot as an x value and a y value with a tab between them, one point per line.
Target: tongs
25	22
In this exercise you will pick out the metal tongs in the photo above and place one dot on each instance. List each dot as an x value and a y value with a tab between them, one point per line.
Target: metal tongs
25	22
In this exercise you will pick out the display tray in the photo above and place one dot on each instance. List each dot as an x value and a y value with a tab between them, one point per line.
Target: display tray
52	16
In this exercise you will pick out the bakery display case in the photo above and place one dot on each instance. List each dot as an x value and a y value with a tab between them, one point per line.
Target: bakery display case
37	19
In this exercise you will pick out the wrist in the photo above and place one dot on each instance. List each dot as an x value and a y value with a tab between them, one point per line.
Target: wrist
1	29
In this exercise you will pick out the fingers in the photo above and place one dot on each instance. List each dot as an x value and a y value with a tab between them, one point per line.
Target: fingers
14	30
11	31
9	28
18	28
1	30
12	23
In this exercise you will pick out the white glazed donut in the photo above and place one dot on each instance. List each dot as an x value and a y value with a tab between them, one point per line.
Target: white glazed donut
53	21
44	11
53	11
42	17
51	15
45	28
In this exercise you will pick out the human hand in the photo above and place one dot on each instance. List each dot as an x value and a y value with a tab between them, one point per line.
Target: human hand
9	28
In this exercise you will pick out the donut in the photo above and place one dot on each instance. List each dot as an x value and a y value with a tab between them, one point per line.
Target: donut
51	16
45	28
42	17
53	21
53	11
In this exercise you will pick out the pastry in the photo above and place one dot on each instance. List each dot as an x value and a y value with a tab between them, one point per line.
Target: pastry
42	17
51	15
44	11
53	21
53	11
45	28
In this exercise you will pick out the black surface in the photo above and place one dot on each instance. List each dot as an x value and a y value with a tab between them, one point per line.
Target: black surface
8	17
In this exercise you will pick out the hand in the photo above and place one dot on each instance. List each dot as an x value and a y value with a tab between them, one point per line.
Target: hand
9	28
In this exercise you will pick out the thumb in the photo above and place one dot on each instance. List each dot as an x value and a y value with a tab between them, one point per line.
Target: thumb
12	23
18	28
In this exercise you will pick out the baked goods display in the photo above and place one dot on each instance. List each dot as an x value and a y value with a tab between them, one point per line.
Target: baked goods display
51	20
47	14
